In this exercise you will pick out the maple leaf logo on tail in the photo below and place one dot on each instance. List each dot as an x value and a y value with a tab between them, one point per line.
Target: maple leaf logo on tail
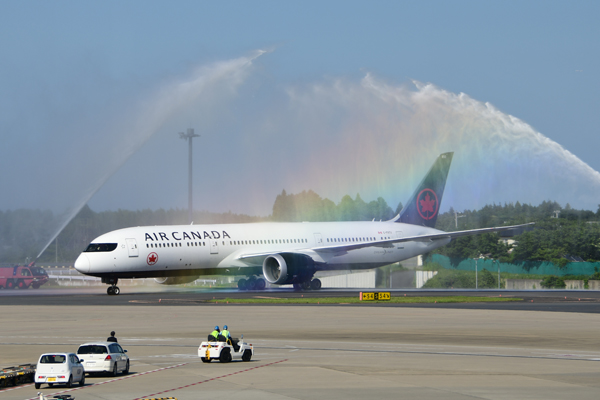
427	204
424	205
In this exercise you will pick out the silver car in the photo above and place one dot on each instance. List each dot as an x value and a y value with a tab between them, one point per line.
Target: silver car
104	357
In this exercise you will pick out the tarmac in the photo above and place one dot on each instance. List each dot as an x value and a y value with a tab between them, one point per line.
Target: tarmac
307	352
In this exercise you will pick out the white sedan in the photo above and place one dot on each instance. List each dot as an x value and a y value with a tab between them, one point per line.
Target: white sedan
59	368
104	357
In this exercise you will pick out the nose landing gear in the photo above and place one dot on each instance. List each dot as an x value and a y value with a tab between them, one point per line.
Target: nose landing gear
113	289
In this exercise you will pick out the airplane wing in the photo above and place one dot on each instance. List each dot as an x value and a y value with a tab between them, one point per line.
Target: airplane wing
342	248
419	238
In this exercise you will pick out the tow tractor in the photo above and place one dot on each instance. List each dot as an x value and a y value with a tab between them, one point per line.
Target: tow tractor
225	351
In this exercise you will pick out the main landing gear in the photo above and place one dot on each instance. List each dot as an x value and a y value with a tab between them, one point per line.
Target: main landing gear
113	289
252	283
315	284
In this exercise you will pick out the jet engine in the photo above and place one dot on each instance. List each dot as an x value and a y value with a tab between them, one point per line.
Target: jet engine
284	268
175	280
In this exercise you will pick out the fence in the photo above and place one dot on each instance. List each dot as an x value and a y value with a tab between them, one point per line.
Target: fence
523	267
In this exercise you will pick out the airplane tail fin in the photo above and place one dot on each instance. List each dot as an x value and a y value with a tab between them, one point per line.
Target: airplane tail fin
424	205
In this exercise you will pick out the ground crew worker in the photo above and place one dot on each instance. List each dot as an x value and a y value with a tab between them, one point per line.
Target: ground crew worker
112	337
229	339
215	333
226	333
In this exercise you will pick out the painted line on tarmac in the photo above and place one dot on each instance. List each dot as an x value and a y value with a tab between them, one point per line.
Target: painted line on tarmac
109	381
206	380
566	357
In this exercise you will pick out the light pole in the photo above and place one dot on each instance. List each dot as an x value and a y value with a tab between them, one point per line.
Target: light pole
476	274
189	136
476	283
498	264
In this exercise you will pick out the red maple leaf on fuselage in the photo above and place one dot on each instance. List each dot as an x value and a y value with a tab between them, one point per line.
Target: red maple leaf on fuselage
152	258
427	204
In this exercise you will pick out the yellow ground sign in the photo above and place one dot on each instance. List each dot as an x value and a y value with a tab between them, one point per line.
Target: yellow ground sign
372	296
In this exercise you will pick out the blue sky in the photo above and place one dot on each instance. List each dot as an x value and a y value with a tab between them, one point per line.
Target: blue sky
89	107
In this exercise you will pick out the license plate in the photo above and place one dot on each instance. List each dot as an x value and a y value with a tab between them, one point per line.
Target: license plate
51	379
90	363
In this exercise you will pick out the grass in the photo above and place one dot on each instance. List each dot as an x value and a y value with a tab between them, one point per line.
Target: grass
355	300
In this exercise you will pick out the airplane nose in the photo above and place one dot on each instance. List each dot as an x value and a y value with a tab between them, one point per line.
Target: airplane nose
82	264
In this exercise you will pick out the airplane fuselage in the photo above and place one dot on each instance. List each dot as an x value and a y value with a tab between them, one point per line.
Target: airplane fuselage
240	249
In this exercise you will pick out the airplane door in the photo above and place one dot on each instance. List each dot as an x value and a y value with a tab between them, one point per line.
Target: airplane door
132	247
399	236
214	247
318	239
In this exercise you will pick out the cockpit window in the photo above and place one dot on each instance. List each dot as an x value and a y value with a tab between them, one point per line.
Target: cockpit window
96	247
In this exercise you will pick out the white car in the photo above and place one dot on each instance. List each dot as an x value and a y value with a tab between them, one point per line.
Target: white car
224	352
59	368
104	357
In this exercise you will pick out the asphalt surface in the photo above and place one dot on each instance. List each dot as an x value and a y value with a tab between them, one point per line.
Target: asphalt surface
582	301
307	352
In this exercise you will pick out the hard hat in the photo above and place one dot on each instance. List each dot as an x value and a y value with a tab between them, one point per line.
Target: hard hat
225	327
216	328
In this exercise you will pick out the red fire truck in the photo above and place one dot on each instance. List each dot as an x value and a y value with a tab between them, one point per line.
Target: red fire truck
22	277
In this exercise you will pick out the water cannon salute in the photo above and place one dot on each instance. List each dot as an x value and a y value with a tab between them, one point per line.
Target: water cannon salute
334	136
369	151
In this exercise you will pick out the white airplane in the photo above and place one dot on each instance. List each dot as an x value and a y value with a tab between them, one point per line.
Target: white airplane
280	253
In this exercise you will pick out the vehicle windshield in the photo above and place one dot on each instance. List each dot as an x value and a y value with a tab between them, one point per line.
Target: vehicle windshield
92	349
53	359
38	271
100	247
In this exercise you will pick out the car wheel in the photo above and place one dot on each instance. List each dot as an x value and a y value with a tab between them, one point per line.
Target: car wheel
82	381
37	385
10	285
21	284
70	382
126	371
225	356
247	355
206	360
36	285
114	371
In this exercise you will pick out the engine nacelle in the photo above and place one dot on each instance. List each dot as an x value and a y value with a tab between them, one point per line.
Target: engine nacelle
284	268
175	280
